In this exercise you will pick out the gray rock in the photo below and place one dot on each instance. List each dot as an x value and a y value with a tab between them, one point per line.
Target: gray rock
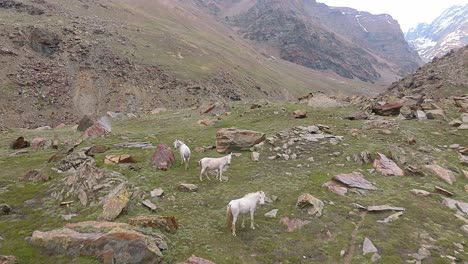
149	204
5	209
186	187
272	213
158	192
255	156
368	247
421	115
455	123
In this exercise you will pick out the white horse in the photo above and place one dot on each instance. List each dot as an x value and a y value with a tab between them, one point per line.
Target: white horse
184	152
219	164
246	204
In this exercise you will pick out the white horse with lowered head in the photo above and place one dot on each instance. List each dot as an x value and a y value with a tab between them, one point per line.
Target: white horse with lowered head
244	205
184	152
219	164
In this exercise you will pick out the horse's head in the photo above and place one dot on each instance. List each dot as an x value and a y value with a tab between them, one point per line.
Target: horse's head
176	143
262	197
228	158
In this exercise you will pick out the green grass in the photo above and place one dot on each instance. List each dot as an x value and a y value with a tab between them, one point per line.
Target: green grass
201	215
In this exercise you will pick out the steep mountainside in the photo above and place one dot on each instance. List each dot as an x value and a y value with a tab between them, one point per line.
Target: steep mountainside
343	40
447	76
62	59
446	32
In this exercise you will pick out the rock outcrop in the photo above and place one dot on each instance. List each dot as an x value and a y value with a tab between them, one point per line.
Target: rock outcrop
234	139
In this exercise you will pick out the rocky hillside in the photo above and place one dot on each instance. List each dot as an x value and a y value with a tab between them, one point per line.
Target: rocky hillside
60	60
446	32
348	42
444	77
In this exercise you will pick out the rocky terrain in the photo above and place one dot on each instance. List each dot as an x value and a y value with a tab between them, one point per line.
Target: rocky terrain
348	42
448	31
61	60
443	77
342	185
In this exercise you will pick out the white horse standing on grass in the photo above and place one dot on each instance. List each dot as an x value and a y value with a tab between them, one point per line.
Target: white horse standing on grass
184	152
218	164
246	204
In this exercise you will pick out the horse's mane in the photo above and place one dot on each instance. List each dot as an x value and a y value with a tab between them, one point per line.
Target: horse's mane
250	194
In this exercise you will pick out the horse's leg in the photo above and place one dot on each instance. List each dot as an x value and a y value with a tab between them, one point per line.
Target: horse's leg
243	225
234	220
201	173
252	224
220	173
206	173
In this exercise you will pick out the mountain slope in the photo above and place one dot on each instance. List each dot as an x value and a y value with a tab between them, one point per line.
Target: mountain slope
444	77
343	40
446	32
60	60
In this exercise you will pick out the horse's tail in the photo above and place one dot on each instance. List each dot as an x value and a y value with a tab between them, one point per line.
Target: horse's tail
229	217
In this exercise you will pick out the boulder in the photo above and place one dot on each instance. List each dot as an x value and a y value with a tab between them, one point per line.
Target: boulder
163	158
7	259
85	122
234	139
407	112
115	202
355	180
35	176
312	205
39	143
446	175
464	117
166	223
186	187
300	113
455	123
100	128
117	159
360	115
436	114
386	166
111	242
336	187
461	101
293	223
19	143
388	109
115	115
421	115
96	149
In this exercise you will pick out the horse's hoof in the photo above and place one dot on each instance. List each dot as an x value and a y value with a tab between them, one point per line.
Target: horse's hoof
253	227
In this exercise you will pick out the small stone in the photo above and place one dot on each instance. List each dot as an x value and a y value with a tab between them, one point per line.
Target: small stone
158	192
342	253
149	204
368	247
255	156
420	192
376	257
186	187
454	146
301	113
272	213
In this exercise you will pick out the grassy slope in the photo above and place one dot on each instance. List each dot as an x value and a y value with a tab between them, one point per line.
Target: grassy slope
202	214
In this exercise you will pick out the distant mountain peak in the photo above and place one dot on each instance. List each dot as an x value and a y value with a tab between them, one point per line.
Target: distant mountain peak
447	31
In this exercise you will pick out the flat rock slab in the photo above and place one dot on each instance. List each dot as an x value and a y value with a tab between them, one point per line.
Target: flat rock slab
335	187
149	204
112	242
355	180
457	205
446	175
443	191
293	223
378	208
390	218
8	260
187	187
386	166
118	159
420	192
115	202
197	260
166	223
158	192
135	145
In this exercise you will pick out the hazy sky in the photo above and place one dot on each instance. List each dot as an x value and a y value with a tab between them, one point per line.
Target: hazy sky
408	12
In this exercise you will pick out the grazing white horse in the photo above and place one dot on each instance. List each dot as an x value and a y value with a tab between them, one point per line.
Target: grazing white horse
184	152
246	204
218	164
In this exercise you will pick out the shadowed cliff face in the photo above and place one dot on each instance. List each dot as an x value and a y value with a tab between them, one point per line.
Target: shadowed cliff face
343	40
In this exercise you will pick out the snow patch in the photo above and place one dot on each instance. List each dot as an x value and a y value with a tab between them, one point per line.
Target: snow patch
357	19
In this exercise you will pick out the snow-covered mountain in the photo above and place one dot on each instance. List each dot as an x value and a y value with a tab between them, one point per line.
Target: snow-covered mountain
446	32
